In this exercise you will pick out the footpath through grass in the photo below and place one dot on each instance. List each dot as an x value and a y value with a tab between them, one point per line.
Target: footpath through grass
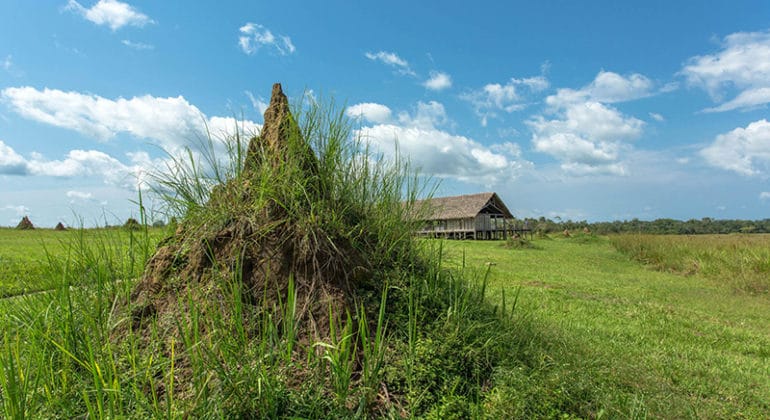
637	342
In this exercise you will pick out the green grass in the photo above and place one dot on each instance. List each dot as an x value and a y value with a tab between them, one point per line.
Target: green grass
590	333
738	261
628	341
26	255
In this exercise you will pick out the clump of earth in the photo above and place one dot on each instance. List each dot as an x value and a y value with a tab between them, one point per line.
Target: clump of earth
25	224
258	245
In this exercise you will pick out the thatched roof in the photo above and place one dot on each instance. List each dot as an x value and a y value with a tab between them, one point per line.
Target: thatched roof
463	206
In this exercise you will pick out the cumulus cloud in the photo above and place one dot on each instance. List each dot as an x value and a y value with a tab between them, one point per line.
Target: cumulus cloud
764	195
438	81
11	163
368	111
607	87
584	132
611	87
745	151
393	60
77	163
742	65
426	115
443	154
254	36
112	13
173	122
495	97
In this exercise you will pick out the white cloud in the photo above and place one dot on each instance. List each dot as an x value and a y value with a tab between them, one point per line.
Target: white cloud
657	117
80	195
369	111
764	195
112	13
77	163
173	122
137	45
589	136
743	65
607	87
427	115
254	36
747	99
439	153
11	163
743	150
80	163
259	103
438	81
10	67
494	97
393	60
222	127
20	210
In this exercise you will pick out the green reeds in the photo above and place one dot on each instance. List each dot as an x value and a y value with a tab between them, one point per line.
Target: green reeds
740	261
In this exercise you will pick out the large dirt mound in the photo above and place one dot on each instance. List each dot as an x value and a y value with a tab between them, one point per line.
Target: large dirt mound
25	224
253	244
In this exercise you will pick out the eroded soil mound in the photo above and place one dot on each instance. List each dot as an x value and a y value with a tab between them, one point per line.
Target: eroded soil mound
132	224
25	224
260	236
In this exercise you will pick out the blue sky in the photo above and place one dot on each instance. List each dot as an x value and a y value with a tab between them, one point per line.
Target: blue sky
597	110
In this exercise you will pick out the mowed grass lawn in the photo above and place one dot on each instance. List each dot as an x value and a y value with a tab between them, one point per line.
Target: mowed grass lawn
655	343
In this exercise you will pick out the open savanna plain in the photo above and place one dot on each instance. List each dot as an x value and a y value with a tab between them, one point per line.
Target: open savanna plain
674	327
600	328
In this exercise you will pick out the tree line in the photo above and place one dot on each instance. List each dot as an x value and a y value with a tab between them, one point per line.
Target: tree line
705	225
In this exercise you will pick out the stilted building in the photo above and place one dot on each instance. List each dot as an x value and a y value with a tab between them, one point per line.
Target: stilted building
473	216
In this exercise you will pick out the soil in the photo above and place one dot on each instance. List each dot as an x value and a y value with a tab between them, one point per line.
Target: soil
25	224
252	254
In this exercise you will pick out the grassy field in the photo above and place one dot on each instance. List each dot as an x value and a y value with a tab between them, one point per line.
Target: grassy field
597	334
741	262
26	256
638	341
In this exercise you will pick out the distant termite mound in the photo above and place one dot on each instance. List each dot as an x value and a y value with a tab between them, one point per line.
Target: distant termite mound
261	235
25	224
132	224
60	226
